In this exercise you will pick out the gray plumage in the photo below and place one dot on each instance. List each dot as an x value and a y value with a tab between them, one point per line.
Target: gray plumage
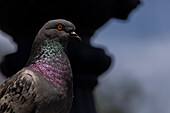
44	85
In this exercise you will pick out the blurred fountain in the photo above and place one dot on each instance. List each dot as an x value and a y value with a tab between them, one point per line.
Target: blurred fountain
7	46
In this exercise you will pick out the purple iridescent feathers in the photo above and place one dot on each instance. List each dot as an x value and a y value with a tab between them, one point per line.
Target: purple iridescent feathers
53	63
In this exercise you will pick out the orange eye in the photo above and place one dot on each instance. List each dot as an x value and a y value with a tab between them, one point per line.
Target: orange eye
59	27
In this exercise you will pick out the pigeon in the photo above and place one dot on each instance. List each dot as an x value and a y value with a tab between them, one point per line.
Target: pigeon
45	83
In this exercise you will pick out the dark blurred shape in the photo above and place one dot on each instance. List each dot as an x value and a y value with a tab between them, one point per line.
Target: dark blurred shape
23	18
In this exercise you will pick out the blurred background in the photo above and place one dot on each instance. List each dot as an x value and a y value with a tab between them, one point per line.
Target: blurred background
122	65
139	80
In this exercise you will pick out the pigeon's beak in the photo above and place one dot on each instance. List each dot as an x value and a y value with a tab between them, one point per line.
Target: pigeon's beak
75	36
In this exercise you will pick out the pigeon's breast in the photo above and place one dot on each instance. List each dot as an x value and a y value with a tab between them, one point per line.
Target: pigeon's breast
54	98
57	73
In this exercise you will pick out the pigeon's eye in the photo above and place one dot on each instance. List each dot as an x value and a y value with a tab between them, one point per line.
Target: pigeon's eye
60	27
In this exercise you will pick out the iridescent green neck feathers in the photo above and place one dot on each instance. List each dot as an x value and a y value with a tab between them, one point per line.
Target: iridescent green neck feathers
52	62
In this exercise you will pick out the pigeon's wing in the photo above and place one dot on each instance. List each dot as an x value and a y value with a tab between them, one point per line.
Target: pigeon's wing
17	94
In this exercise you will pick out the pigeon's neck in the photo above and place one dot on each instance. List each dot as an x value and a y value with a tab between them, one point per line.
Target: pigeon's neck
46	52
52	61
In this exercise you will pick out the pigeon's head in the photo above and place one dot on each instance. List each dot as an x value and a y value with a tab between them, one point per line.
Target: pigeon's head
60	29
